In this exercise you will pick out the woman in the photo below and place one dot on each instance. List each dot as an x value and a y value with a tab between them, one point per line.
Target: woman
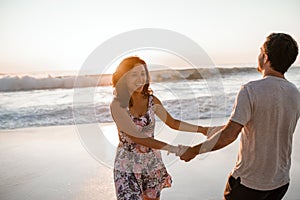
139	172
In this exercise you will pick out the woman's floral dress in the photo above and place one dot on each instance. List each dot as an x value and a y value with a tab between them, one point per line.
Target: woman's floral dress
139	170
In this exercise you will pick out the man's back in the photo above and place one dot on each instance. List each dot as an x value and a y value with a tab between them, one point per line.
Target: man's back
269	109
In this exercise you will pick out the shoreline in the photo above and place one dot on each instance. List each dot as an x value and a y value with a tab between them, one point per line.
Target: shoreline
55	163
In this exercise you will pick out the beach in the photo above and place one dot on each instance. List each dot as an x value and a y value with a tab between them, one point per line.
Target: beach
61	68
54	163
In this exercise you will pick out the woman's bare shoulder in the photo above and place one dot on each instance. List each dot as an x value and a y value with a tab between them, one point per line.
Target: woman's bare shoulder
156	100
115	103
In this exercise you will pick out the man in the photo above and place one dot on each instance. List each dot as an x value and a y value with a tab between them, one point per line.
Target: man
266	112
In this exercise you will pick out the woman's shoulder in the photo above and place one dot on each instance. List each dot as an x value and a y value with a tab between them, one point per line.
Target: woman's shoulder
115	103
155	99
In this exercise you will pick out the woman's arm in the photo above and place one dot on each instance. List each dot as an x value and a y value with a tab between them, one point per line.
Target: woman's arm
164	115
125	123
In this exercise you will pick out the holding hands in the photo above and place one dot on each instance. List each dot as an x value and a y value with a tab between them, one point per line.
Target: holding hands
186	153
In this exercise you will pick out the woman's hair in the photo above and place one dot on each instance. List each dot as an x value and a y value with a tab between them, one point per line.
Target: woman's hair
119	80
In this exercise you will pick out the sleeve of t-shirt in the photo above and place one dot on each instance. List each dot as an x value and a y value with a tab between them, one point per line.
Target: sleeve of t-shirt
242	107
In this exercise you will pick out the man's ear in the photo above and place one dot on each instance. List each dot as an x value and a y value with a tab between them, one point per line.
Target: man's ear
266	58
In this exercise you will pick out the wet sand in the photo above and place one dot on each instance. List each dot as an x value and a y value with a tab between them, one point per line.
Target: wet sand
59	162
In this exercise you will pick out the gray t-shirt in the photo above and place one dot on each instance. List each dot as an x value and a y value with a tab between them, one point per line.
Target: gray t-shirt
269	110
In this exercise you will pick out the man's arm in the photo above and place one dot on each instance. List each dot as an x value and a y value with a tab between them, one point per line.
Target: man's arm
219	140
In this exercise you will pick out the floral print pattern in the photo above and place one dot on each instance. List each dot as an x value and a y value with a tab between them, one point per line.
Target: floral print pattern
138	170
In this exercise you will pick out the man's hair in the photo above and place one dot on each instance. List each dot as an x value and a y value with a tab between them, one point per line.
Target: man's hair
282	51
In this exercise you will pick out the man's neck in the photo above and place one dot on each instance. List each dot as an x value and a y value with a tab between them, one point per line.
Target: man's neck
271	72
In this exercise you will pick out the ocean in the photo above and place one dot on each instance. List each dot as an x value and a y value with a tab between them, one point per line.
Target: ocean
48	100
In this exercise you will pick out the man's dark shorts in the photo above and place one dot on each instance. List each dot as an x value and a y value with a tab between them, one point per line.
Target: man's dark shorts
236	191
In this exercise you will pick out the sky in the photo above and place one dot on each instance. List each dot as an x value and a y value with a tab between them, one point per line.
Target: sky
57	35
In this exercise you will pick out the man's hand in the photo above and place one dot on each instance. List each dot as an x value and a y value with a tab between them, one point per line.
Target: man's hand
189	154
181	149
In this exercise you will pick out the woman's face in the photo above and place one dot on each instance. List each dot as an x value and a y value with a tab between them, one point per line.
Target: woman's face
136	78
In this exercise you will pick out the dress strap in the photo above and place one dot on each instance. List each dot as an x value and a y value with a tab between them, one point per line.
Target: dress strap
150	102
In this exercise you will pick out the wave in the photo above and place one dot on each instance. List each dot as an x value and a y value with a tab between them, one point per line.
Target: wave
10	83
65	114
16	83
